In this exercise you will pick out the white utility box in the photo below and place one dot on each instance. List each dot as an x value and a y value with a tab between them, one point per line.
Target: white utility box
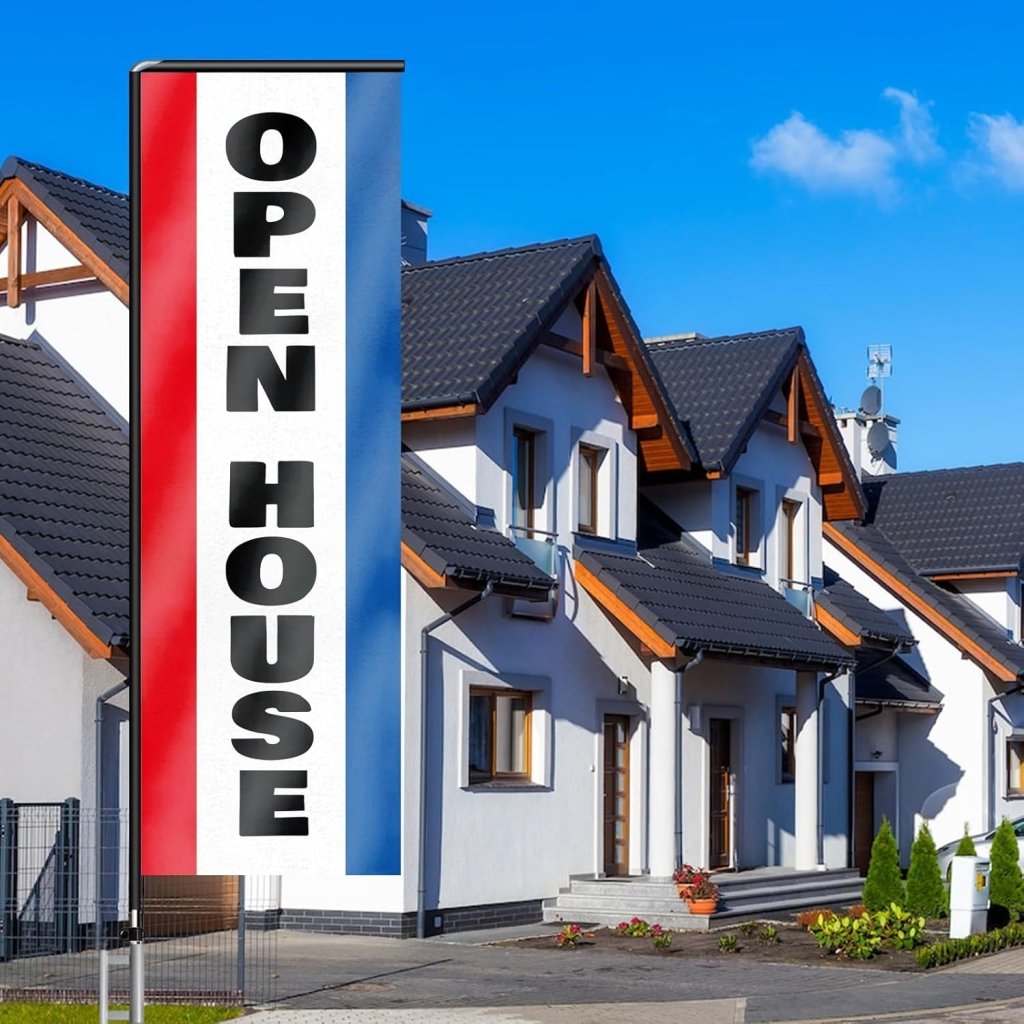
968	897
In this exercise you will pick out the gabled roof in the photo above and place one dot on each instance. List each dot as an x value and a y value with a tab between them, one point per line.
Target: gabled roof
442	545
469	324
856	614
63	495
96	219
953	521
672	598
884	680
722	388
955	616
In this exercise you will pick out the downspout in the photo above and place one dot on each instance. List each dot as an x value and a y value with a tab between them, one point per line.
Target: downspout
98	824
692	663
421	890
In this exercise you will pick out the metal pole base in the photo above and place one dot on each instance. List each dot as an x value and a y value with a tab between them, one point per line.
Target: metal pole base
136	983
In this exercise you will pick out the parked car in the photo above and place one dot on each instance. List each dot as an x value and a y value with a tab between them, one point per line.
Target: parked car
983	846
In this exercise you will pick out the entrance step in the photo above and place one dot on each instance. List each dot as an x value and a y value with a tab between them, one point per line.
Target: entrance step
771	892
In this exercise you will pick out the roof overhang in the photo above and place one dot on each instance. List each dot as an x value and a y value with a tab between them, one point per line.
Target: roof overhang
431	577
934	618
16	198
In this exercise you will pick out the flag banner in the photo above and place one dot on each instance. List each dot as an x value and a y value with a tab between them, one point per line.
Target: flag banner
265	445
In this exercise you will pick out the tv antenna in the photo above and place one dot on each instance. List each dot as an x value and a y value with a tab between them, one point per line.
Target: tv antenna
879	361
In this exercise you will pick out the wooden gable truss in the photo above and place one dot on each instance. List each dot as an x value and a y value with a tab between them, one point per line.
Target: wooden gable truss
17	202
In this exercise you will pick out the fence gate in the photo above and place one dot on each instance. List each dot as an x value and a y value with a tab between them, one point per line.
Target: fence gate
63	900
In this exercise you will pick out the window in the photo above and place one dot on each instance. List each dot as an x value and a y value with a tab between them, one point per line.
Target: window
789	562
744	525
524	478
499	735
787	744
590	462
1015	766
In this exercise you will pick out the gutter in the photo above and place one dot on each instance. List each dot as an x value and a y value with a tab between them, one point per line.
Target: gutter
421	889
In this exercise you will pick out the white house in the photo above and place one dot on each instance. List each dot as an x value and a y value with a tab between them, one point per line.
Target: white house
941	552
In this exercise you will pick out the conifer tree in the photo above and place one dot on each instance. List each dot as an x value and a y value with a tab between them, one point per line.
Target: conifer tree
1004	882
926	894
883	885
966	847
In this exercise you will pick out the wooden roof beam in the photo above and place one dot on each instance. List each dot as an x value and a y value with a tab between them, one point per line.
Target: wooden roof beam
793	406
13	288
589	345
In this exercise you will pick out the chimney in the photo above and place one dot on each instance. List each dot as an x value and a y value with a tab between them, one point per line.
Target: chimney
414	234
870	438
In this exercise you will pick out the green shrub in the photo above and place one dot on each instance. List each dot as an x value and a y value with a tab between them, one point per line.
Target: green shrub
966	847
883	885
949	950
899	928
925	892
749	927
768	935
853	937
727	944
1004	882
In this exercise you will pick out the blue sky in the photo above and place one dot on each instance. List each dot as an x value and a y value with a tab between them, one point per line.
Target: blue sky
854	168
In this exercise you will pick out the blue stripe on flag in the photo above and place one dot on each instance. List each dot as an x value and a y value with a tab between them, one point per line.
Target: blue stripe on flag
373	392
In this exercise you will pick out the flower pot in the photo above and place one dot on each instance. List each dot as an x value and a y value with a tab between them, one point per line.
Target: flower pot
684	889
703	906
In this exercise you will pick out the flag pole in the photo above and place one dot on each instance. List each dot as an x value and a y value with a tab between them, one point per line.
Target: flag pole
137	984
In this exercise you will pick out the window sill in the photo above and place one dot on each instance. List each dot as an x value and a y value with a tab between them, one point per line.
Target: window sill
506	785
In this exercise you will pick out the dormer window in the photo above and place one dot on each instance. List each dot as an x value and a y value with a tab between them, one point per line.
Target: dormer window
744	526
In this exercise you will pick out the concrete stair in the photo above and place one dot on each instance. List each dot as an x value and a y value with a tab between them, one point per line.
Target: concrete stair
773	893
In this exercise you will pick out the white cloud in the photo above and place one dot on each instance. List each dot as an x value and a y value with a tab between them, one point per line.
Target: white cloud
856	161
1000	144
917	130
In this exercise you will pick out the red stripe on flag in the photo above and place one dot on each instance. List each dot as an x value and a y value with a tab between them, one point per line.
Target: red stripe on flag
167	139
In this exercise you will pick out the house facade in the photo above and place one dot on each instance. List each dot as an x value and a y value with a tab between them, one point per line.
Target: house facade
651	614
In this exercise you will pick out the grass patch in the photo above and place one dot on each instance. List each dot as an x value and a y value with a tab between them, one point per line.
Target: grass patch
54	1013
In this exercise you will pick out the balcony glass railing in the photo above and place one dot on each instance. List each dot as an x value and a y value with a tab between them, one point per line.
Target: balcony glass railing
537	545
799	595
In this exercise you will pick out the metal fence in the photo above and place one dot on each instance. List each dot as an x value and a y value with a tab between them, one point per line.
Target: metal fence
64	897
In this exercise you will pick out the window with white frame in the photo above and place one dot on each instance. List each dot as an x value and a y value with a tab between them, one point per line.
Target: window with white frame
499	734
745	526
1015	765
588	495
787	743
524	479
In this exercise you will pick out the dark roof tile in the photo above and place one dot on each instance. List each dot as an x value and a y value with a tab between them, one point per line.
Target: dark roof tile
956	609
99	216
882	679
467	323
953	520
64	487
857	613
443	534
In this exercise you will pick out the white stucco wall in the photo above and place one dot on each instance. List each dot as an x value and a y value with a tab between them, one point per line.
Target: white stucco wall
945	761
49	686
84	322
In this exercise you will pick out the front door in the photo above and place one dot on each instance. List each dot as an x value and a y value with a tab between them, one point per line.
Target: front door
721	792
863	819
616	795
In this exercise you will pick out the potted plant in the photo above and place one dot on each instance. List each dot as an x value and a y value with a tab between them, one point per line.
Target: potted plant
703	898
686	876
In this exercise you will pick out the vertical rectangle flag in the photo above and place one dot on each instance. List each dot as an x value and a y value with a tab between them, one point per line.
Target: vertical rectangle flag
265	456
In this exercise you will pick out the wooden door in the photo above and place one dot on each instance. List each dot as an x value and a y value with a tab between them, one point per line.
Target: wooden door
720	796
616	795
863	819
